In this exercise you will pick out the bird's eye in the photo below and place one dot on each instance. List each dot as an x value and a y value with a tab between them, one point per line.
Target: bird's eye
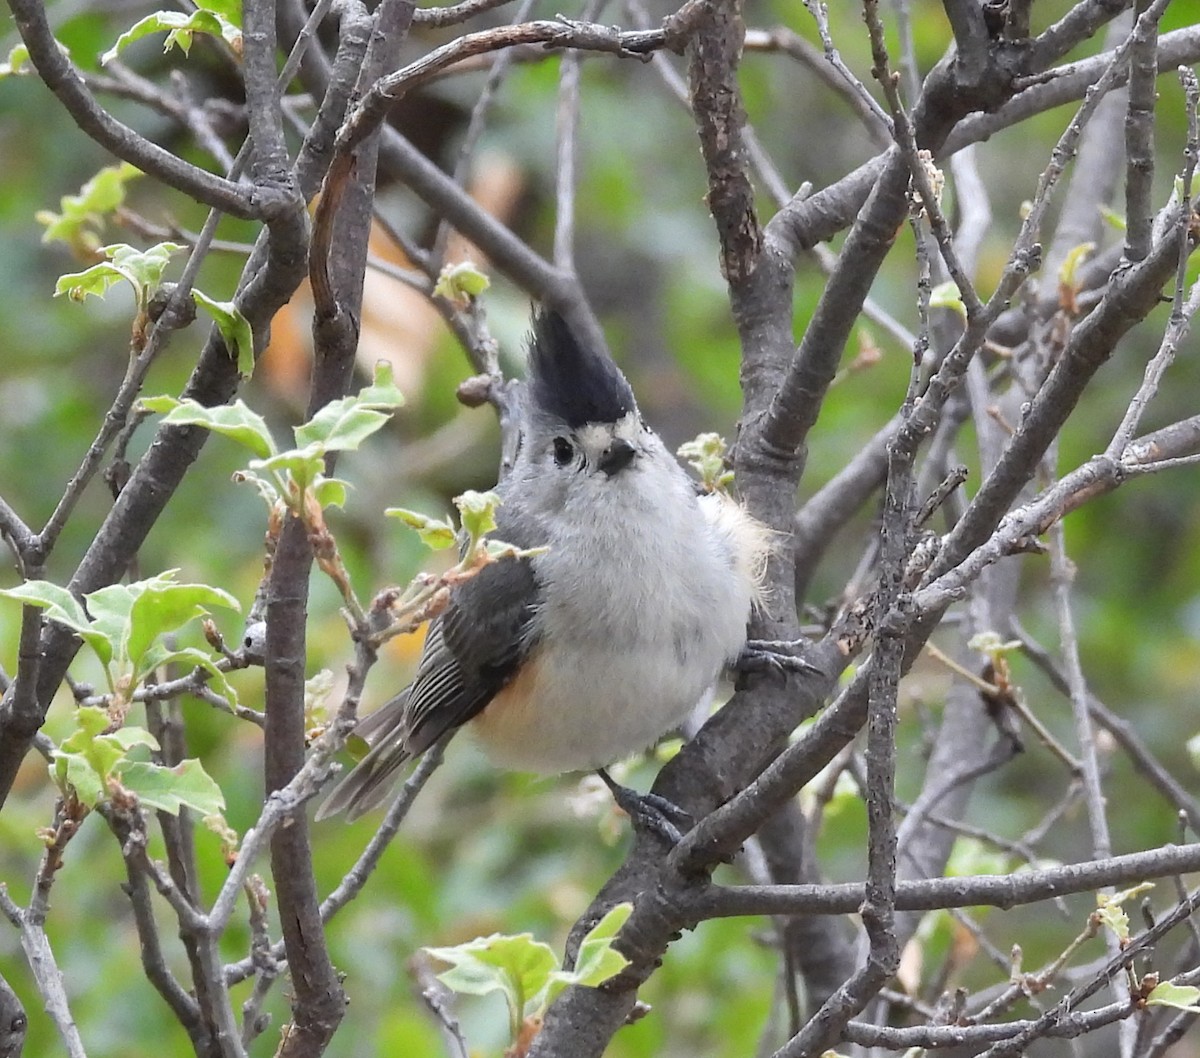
563	452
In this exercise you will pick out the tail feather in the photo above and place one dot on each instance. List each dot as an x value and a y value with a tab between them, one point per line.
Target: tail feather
368	783
387	718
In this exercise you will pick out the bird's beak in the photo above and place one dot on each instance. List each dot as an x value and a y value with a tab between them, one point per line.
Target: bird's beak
617	456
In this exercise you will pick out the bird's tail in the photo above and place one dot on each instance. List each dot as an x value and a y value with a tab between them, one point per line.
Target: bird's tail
368	783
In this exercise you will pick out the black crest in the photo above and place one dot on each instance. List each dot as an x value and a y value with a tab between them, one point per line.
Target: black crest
577	384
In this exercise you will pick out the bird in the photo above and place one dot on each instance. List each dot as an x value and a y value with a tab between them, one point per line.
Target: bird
612	633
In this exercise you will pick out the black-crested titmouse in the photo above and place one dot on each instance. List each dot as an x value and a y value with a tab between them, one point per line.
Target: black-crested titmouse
595	648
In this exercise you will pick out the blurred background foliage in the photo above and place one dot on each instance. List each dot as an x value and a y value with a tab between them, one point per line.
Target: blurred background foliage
486	851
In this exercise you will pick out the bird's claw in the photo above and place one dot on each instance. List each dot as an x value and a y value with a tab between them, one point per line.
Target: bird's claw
649	812
776	657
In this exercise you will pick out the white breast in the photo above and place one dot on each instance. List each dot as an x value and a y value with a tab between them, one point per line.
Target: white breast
645	600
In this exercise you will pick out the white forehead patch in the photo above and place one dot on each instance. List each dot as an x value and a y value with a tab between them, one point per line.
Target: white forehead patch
597	436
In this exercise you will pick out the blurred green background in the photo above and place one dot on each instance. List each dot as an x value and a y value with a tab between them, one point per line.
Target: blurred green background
486	851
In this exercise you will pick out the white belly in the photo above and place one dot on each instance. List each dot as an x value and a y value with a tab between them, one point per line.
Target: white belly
643	603
578	711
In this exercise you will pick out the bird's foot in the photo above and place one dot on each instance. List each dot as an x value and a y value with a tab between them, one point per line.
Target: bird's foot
649	812
776	657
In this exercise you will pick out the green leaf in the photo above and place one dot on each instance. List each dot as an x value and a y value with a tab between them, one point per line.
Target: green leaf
1068	271
234	328
61	606
302	465
235	421
1114	918
1113	219
519	966
90	721
109	607
597	960
993	644
187	785
382	394
706	455
330	492
83	214
180	28
946	296
73	771
498	549
477	511
230	10
342	425
1182	997
1125	895
128	737
461	282
18	59
162	606
142	269
100	752
345	423
435	533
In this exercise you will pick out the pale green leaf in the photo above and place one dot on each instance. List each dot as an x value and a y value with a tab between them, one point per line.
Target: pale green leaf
461	282
187	785
163	606
1114	918
342	425
970	856
18	59
235	421
382	394
74	771
61	606
128	737
706	455
1195	187
95	281
84	212
1068	271
110	607
517	965
180	27
101	752
230	10
1125	895
1182	997
477	510
330	492
234	328
598	960
946	296
435	533
142	269
302	465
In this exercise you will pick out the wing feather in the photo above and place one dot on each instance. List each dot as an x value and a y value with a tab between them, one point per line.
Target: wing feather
471	652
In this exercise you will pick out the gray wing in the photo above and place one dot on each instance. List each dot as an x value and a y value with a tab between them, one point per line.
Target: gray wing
471	652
